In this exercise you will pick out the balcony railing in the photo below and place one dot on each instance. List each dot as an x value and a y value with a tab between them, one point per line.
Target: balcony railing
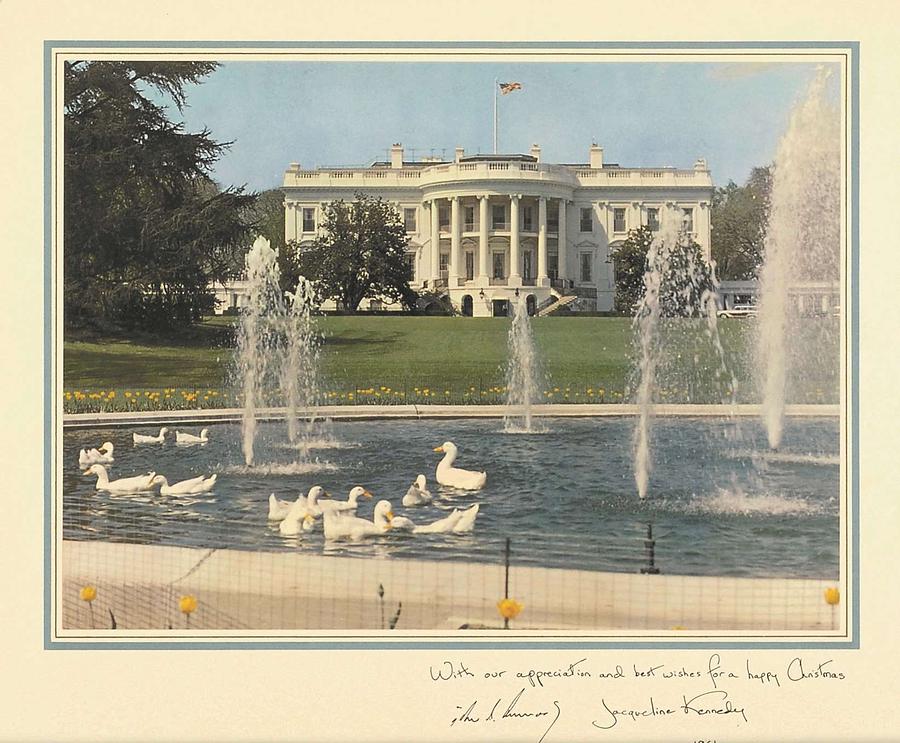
500	226
349	177
529	281
498	282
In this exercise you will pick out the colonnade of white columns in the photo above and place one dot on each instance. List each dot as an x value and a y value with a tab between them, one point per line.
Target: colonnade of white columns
456	269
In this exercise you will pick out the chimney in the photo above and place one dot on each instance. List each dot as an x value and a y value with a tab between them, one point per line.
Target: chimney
397	155
596	156
536	152
460	153
701	164
295	166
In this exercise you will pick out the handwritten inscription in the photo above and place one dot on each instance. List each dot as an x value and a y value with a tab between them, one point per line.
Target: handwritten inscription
535	697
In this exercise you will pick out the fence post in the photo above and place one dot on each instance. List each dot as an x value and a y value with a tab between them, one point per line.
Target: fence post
649	545
506	581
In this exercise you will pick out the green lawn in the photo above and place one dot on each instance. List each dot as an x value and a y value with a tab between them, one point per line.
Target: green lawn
419	359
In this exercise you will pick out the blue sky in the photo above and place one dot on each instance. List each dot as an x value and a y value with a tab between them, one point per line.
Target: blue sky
349	113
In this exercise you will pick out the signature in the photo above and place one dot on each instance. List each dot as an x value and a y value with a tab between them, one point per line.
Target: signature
708	703
515	710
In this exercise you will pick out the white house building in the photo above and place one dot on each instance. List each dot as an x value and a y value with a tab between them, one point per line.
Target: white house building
484	229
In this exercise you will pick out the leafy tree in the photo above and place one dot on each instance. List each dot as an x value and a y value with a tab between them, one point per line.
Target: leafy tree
146	228
630	261
685	274
738	225
361	254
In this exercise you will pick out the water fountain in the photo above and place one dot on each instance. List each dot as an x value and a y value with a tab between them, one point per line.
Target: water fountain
678	282
299	370
802	245
257	336
277	349
522	391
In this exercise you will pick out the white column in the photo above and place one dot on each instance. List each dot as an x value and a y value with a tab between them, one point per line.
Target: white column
453	276
435	243
561	241
515	274
290	215
483	239
542	242
701	227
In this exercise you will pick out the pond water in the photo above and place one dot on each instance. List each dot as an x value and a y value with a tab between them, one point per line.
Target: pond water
719	502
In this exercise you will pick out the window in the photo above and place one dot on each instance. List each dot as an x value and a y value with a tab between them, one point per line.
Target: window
528	219
410	259
553	217
444	261
444	217
587	220
409	219
469	218
688	220
653	219
527	267
586	260
309	219
498	217
470	265
498	266
619	220
553	265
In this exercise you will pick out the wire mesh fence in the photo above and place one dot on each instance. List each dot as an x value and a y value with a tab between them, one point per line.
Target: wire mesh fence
154	587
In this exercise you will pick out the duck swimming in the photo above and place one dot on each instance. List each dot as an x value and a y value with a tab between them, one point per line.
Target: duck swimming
454	477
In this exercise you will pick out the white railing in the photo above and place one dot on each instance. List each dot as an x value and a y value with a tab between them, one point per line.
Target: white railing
435	174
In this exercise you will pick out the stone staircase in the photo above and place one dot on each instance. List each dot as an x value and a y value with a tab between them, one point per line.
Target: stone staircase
552	307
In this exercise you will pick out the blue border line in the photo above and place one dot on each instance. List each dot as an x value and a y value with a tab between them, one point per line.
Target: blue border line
498	45
424	644
49	435
854	338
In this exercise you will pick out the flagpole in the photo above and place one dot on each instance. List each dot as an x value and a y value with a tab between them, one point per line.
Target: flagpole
496	85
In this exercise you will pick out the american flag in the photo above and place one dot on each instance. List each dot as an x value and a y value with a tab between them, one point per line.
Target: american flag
509	87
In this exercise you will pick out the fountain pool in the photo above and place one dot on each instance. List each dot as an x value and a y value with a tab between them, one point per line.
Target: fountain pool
724	504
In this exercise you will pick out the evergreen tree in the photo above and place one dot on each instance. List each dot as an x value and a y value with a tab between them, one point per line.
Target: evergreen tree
146	228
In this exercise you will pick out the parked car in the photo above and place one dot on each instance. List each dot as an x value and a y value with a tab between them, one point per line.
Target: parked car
739	310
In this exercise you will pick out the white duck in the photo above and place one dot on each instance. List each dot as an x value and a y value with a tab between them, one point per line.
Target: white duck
199	484
348	506
140	438
101	455
341	526
447	474
136	484
279	508
417	494
303	512
182	437
458	521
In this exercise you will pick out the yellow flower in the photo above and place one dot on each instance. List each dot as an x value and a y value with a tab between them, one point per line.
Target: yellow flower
832	596
88	593
509	608
187	604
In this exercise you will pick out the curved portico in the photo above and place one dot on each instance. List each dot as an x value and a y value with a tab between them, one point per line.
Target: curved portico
487	229
498	224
